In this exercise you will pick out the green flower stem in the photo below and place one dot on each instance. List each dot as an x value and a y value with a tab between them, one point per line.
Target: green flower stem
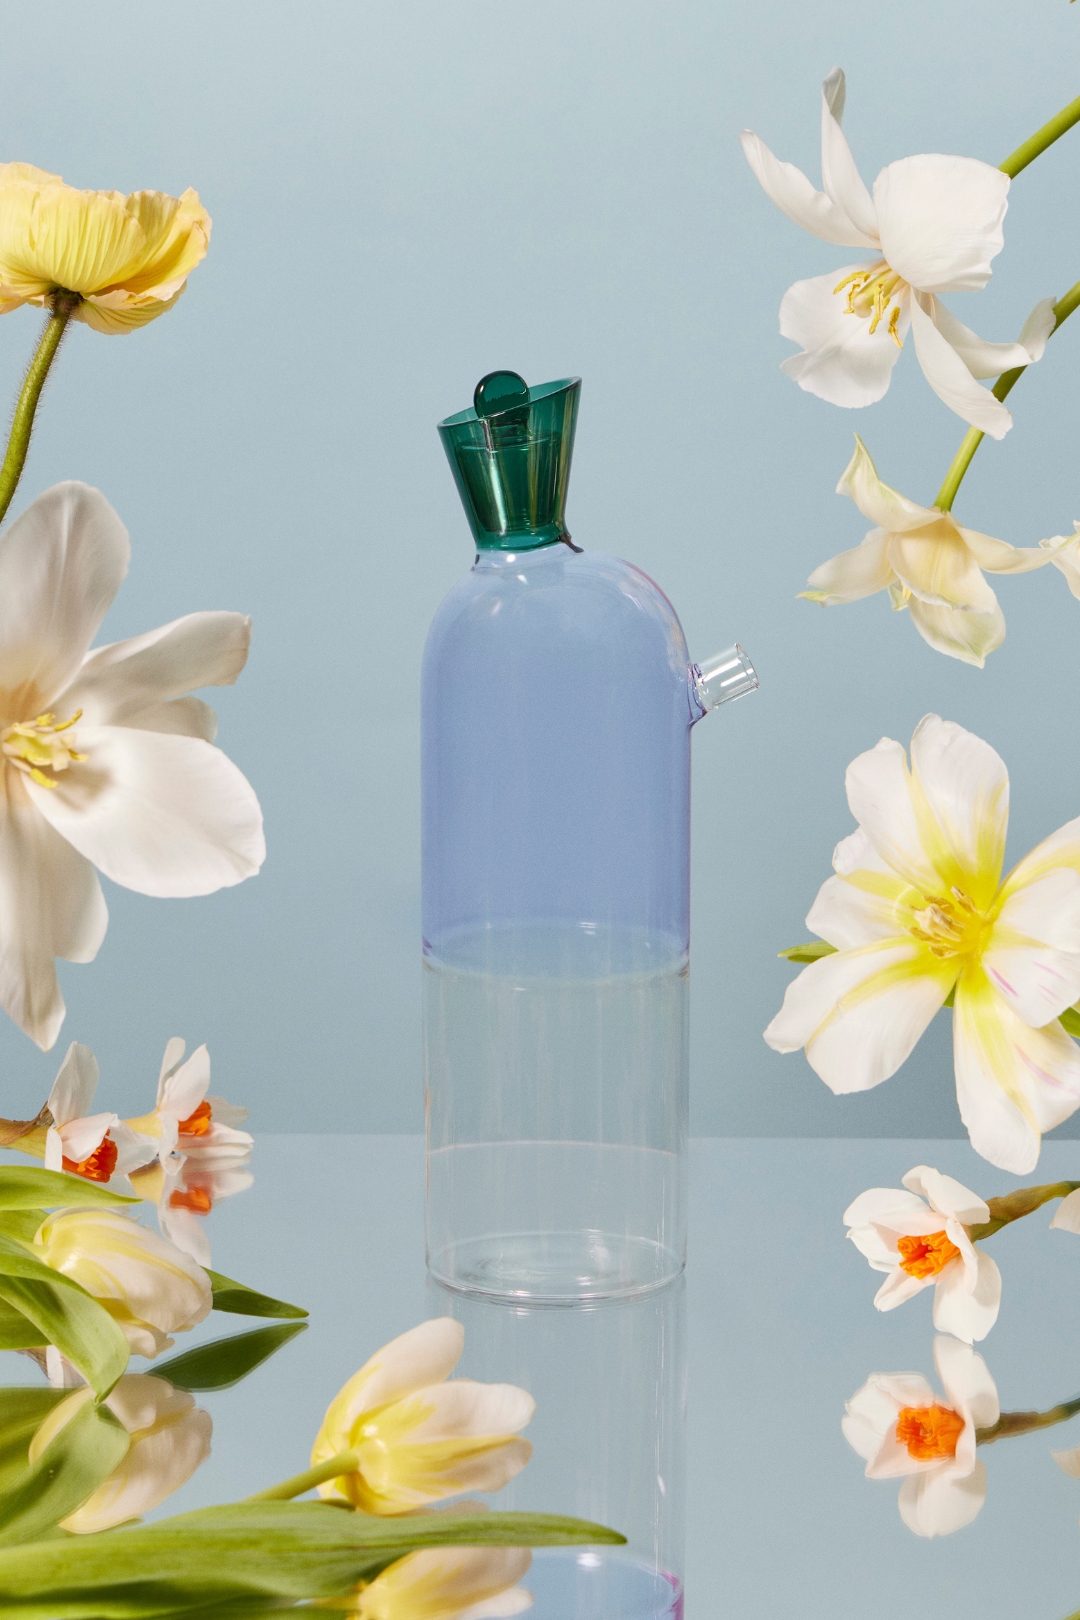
1004	385
63	305
1012	1206
1042	138
345	1462
1010	1423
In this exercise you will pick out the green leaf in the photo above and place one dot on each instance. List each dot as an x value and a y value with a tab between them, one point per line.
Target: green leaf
29	1187
950	998
812	952
74	1463
243	1301
272	1549
22	1412
17	1332
80	1328
226	1361
22	1224
1070	1020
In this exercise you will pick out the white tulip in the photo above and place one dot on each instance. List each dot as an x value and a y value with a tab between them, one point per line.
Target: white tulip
924	1242
448	1583
932	226
105	761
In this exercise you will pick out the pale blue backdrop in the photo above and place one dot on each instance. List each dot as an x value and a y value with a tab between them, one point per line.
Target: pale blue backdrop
405	197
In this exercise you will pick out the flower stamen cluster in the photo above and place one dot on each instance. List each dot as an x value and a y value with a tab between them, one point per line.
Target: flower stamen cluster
36	746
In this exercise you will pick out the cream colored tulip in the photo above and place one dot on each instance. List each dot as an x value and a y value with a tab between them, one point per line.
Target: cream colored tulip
449	1583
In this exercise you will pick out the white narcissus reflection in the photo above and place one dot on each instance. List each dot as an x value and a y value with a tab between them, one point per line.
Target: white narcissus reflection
149	1287
188	1195
449	1583
932	226
924	1242
170	1438
928	564
419	1438
904	1430
105	760
918	909
98	1147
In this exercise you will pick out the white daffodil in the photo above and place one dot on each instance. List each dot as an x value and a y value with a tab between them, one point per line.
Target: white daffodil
186	1120
924	1241
104	761
903	1430
448	1583
148	1287
917	909
927	563
170	1438
420	1439
932	226
98	1147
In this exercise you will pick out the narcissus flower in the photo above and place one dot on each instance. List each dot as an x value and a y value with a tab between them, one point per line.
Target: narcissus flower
924	1242
104	761
170	1438
98	1147
448	1583
932	226
927	563
418	1438
128	258
189	1193
148	1287
904	1430
186	1120
918	909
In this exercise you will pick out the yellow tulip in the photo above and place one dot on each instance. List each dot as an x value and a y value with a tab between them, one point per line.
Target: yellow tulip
126	259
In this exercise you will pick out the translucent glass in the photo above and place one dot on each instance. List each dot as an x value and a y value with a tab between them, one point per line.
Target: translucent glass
557	706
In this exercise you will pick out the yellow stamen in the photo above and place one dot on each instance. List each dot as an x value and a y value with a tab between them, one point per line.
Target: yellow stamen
894	320
36	747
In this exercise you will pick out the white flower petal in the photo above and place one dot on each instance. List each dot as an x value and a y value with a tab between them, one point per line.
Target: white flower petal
958	633
884	1204
463	1408
815	992
1061	848
162	815
181	1092
133	1150
185	1229
885	507
842	361
128	1266
940	220
792	192
185	717
875	1249
967	1383
73	1089
82	1137
966	789
1064	553
880	801
873	1032
855	574
991	359
175	1047
1067	1216
998	557
946	1196
840	177
948	376
1068	1461
847	916
939	569
872	1411
1033	959
897	1288
936	1504
171	1438
201	649
415	1360
51	905
968	1313
61	563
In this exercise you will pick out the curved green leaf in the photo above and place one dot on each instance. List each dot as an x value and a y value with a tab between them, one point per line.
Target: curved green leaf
226	1361
813	952
73	1464
29	1187
22	1412
243	1301
17	1332
80	1328
273	1549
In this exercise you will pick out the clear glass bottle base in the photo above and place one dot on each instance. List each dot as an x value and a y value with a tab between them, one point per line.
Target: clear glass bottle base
569	1584
555	1268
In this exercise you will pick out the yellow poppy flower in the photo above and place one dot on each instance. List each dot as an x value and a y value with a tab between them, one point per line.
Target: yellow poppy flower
127	258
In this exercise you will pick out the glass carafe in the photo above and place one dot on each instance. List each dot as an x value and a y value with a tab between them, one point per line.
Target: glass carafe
557	704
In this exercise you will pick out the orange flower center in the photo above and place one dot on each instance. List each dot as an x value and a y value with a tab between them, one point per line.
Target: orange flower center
193	1198
99	1166
929	1432
926	1256
198	1123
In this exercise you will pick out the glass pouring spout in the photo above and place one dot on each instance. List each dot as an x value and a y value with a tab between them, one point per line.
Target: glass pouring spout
728	674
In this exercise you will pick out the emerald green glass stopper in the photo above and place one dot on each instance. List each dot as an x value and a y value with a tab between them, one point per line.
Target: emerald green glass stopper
510	456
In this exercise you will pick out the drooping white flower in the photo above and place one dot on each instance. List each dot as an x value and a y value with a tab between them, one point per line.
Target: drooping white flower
148	1286
928	564
104	760
932	226
420	1438
1064	552
904	1430
917	909
98	1147
170	1438
923	1242
185	1119
448	1583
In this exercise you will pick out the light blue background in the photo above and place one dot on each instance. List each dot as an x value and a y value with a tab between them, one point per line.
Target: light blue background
404	198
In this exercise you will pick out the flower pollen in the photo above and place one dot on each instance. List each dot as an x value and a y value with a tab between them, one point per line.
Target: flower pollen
929	1432
927	1256
951	926
198	1123
36	746
99	1166
870	292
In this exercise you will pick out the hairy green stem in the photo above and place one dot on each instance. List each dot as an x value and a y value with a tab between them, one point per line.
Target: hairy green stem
1010	1423
1012	1206
63	304
344	1462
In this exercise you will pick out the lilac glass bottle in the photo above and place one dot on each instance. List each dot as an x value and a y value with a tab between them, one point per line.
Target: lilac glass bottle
558	698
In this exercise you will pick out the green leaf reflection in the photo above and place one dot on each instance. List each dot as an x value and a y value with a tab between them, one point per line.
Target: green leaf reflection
226	1361
74	1463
